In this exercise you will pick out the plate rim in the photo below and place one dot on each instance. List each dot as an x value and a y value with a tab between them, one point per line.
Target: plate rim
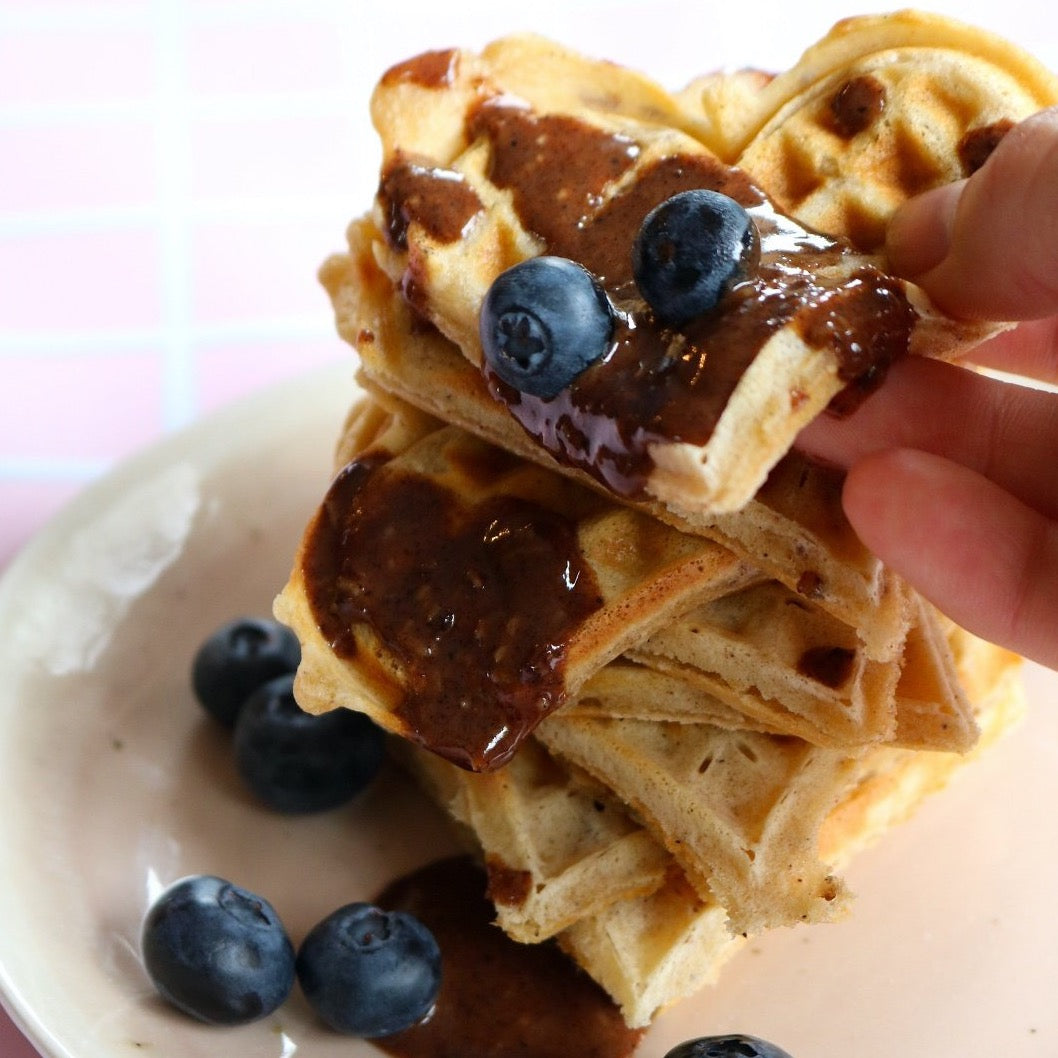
284	403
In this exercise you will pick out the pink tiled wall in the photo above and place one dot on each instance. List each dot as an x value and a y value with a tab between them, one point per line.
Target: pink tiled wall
172	175
173	171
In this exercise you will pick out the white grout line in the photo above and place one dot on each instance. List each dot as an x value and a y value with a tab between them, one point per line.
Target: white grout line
172	138
41	16
310	327
76	220
205	108
73	112
34	469
82	343
244	210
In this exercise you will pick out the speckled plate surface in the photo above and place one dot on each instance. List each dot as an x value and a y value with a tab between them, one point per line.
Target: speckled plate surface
112	784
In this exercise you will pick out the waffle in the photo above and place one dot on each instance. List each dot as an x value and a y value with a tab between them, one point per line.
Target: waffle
624	633
602	882
652	951
787	667
683	417
556	849
880	109
648	847
771	652
794	529
626	689
437	492
738	811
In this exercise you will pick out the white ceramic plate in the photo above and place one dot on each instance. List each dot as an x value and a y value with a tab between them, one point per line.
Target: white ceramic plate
111	784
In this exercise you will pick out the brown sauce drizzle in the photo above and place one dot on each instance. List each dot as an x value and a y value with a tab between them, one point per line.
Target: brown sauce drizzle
498	999
856	105
555	166
976	147
659	384
830	666
438	199
507	886
431	69
475	602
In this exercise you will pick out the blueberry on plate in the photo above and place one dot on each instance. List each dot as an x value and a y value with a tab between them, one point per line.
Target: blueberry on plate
543	322
368	972
733	1046
294	761
690	250
240	656
217	952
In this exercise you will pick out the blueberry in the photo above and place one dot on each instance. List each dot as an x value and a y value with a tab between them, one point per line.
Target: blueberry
369	972
239	657
735	1046
690	250
294	761
217	952
543	322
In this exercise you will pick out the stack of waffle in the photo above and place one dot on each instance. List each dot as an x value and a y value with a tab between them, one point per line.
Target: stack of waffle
666	706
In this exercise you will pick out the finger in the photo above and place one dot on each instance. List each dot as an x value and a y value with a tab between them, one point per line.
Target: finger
982	557
1003	431
987	247
1029	350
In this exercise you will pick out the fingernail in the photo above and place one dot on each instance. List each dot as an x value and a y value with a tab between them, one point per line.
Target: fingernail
919	233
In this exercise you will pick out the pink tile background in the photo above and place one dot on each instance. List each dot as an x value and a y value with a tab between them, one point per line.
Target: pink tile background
172	172
72	164
119	65
101	279
85	389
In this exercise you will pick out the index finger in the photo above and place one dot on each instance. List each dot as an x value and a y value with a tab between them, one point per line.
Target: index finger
1029	350
987	247
1006	432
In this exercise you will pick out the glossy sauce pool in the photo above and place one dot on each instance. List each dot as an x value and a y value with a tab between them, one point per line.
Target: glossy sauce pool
498	998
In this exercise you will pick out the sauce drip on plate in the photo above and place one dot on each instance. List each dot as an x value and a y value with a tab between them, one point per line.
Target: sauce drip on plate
498	999
473	598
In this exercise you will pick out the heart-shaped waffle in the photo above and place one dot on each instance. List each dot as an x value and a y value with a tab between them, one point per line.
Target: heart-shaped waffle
528	149
703	782
457	594
883	107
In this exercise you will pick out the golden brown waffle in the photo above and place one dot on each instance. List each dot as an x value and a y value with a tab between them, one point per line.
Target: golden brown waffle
880	109
660	944
684	777
739	811
891	783
461	199
787	667
654	950
556	849
797	532
779	659
794	529
625	689
460	537
651	951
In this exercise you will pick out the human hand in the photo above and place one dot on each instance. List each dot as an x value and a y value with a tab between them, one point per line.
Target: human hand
953	475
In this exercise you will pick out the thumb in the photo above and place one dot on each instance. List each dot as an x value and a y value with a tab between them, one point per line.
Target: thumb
987	247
